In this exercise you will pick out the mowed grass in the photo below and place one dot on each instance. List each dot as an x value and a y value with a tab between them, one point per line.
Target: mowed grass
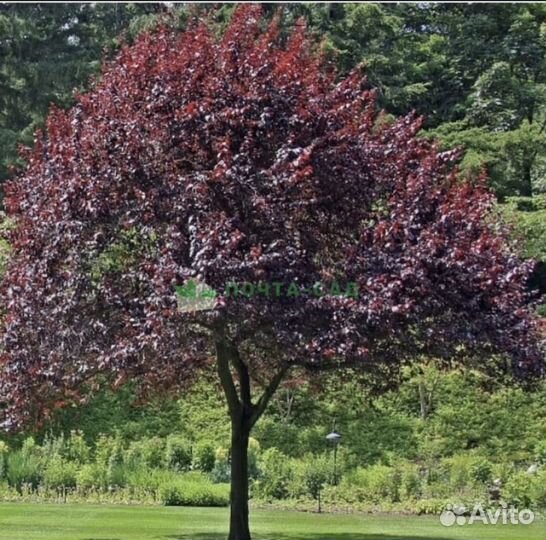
87	522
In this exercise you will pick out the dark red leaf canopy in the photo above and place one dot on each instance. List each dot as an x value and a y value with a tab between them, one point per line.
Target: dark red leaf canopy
243	159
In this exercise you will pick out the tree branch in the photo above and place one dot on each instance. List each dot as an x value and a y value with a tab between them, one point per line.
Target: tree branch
244	378
224	373
260	406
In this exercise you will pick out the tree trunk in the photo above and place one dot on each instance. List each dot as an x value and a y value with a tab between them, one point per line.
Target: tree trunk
423	400
527	175
244	414
238	523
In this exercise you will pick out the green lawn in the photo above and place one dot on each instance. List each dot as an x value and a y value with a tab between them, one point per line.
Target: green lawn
81	522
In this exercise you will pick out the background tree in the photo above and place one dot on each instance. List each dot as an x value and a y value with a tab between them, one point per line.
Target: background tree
243	159
49	50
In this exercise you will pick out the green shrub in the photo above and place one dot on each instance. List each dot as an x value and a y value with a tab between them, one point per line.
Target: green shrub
52	447
60	474
221	473
540	452
539	490
503	470
482	471
410	482
459	471
76	448
105	447
343	493
203	457
29	449
317	472
431	506
192	492
148	479
145	453
153	450
276	474
377	483
4	450
116	475
91	476
23	468
178	454
525	490
254	452
516	491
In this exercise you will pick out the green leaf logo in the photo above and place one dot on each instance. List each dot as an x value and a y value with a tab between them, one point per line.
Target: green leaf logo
188	290
195	296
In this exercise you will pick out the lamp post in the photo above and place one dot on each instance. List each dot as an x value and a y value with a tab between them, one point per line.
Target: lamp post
334	437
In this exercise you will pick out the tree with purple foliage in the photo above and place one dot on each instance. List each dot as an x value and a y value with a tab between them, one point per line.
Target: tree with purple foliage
244	160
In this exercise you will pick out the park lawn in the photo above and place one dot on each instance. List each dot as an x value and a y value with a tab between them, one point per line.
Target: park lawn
89	522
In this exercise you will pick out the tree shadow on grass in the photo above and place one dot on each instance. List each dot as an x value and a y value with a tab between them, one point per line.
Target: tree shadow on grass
303	536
